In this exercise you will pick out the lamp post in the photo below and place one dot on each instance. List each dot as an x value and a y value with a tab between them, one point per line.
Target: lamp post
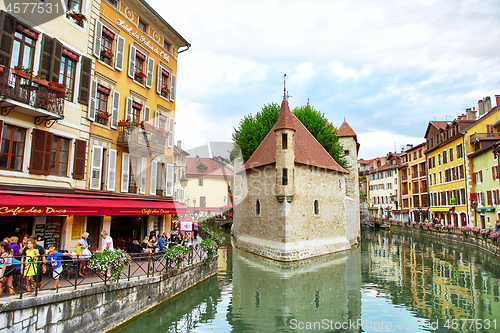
194	205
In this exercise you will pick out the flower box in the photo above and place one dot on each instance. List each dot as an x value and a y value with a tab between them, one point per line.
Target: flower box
140	75
41	82
107	55
102	115
2	68
167	91
123	123
57	89
20	73
79	17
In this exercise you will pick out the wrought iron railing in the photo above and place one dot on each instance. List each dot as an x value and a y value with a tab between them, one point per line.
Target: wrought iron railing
26	91
476	136
135	134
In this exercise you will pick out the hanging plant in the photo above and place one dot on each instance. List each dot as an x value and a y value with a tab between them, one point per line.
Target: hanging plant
115	261
210	246
177	254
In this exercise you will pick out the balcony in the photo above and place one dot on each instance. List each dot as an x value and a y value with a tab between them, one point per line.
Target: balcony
414	175
404	178
20	93
476	136
404	192
422	174
136	135
415	190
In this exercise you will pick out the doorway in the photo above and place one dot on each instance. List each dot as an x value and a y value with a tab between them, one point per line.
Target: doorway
93	228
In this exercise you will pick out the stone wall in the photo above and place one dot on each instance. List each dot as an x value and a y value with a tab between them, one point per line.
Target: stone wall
98	308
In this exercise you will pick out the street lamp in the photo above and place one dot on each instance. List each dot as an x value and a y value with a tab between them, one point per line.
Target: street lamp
183	180
194	205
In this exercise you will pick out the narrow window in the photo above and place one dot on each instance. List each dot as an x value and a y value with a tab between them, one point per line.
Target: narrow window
59	156
142	25
285	177
12	148
257	208
316	207
200	181
284	141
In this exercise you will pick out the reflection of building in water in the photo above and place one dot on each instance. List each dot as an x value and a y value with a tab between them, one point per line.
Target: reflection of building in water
270	294
383	261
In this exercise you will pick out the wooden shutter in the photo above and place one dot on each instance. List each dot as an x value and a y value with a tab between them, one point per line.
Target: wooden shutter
171	123
159	75
172	87
169	189
493	173
85	77
120	52
128	109
40	152
97	39
8	25
473	197
147	113
46	56
96	168
480	176
474	178
125	172
79	163
111	170
116	109
157	118
55	67
144	166
92	100
151	67
131	61
152	185
488	196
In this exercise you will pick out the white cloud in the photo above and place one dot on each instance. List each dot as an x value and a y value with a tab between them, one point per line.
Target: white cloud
378	143
344	73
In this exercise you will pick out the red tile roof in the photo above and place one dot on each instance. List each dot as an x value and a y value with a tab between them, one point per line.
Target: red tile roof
345	130
214	169
308	150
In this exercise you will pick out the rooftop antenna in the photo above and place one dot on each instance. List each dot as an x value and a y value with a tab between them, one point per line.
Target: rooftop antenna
446	118
285	92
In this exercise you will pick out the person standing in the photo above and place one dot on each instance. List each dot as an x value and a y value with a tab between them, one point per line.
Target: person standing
8	269
107	243
195	229
40	267
497	226
84	245
29	263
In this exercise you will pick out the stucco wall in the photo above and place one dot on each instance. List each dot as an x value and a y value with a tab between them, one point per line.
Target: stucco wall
98	308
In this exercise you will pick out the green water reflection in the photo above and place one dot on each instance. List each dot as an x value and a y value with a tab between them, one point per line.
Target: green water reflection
391	282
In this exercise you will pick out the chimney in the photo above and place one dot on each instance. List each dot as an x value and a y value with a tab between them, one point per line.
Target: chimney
497	97
179	144
471	114
487	104
480	106
197	158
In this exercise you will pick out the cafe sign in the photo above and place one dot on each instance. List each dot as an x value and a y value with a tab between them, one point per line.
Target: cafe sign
141	38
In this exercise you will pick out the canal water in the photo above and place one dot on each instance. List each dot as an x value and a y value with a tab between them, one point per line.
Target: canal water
389	283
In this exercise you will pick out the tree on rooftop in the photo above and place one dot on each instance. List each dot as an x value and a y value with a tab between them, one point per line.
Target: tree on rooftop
253	129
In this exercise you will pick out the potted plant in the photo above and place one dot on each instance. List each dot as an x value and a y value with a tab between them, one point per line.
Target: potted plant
108	54
103	115
22	72
41	80
115	261
140	75
2	67
165	90
58	87
76	15
124	123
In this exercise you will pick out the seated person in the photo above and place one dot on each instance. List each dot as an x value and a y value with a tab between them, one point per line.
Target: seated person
187	241
161	242
145	245
153	245
178	239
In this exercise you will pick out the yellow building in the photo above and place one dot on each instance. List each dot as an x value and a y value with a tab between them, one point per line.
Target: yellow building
446	171
482	178
131	113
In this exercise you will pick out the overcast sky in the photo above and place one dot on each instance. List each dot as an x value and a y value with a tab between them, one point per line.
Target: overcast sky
387	67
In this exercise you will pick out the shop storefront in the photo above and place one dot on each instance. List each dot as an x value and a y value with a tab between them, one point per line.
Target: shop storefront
60	219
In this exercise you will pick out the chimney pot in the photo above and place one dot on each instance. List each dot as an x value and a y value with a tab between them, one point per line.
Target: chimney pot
179	144
497	97
487	104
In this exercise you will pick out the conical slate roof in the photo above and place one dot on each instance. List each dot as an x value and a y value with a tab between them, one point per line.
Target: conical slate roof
308	150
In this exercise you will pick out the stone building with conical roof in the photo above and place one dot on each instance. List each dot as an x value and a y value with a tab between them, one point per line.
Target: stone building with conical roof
294	200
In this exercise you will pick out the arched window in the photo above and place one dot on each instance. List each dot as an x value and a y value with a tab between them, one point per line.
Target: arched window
257	208
316	207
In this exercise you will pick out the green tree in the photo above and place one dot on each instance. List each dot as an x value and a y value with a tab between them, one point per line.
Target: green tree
253	129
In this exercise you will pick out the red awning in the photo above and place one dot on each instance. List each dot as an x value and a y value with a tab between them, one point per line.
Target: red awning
55	204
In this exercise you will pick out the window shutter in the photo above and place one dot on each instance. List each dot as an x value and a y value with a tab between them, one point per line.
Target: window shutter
493	173
480	176
152	186
79	163
85	76
125	172
1	128
120	52
157	118
97	39
128	109
159	75
172	87
111	170
147	113
8	24
142	189
92	100
131	61
169	180
55	67
96	168
474	178
116	109
151	67
40	152
488	196
171	123
46	56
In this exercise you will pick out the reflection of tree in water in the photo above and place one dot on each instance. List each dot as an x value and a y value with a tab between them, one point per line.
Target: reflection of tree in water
433	278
